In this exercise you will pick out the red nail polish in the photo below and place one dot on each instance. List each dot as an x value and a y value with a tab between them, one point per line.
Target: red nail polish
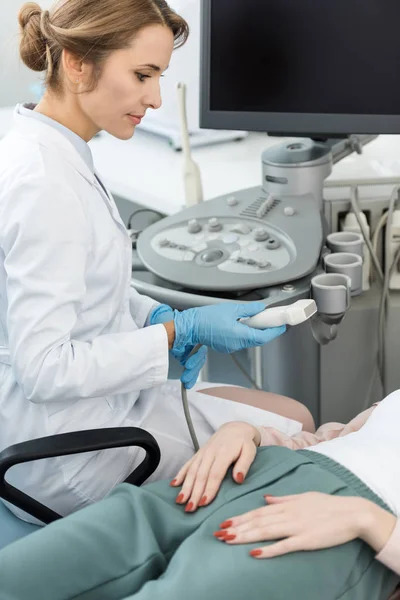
173	482
240	477
180	498
189	507
226	524
203	501
229	538
256	553
220	534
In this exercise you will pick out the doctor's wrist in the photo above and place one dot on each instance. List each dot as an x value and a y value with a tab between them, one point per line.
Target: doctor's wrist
170	328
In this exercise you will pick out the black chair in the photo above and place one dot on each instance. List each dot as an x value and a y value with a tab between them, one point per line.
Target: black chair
74	443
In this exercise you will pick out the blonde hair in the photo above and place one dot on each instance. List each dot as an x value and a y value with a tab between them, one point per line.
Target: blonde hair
90	29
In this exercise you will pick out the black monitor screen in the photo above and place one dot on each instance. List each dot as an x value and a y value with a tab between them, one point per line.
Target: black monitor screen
315	57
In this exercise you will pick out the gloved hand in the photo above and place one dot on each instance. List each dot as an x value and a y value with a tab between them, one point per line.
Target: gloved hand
192	364
161	314
218	327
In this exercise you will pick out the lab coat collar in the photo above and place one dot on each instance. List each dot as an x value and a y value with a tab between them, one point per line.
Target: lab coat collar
110	205
28	110
53	139
49	137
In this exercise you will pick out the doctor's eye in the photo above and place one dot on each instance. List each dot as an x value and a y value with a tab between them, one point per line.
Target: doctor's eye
142	77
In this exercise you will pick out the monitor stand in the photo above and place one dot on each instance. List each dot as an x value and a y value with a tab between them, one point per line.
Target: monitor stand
341	145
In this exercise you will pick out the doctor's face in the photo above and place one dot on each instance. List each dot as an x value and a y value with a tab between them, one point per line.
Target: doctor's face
129	83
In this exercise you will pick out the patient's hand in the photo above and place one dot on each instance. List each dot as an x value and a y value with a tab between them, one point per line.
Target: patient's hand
309	521
201	477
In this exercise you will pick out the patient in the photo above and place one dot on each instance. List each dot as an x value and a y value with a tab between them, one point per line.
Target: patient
338	500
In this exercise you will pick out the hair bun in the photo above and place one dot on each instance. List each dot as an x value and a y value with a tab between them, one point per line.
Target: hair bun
32	43
30	14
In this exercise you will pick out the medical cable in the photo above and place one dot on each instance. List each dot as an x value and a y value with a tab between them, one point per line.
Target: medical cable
385	289
134	233
380	358
185	401
383	309
186	408
352	184
375	239
143	210
383	276
357	211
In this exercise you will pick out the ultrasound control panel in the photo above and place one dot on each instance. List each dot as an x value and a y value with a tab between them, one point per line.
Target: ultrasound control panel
242	241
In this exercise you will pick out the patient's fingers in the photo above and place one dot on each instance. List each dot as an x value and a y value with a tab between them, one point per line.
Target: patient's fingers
202	476
277	517
190	478
260	532
244	462
211	482
252	515
197	496
286	546
179	479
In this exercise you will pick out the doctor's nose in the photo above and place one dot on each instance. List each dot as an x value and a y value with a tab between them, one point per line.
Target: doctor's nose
153	99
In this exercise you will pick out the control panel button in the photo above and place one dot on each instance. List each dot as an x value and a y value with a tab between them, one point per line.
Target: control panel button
194	226
253	247
265	207
241	228
261	234
273	244
164	243
212	255
172	245
214	224
232	201
251	261
182	247
231	238
289	211
264	264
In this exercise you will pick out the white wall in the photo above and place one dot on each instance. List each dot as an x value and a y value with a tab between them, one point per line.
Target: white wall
184	67
15	78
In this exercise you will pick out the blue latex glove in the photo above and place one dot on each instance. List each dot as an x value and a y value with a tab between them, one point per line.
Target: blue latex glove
161	314
218	327
193	364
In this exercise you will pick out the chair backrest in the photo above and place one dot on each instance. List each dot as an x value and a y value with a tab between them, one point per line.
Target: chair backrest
12	528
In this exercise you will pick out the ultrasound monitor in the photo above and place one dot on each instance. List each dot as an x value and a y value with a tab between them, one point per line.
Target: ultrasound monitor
315	68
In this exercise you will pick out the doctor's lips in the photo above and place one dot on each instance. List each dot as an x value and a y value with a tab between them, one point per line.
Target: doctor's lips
136	119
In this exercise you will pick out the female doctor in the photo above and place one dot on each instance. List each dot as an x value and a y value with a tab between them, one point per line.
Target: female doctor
80	348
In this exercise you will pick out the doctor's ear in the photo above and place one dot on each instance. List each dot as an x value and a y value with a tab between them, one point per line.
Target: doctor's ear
75	69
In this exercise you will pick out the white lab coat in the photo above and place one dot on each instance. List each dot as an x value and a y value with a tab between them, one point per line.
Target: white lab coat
74	349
